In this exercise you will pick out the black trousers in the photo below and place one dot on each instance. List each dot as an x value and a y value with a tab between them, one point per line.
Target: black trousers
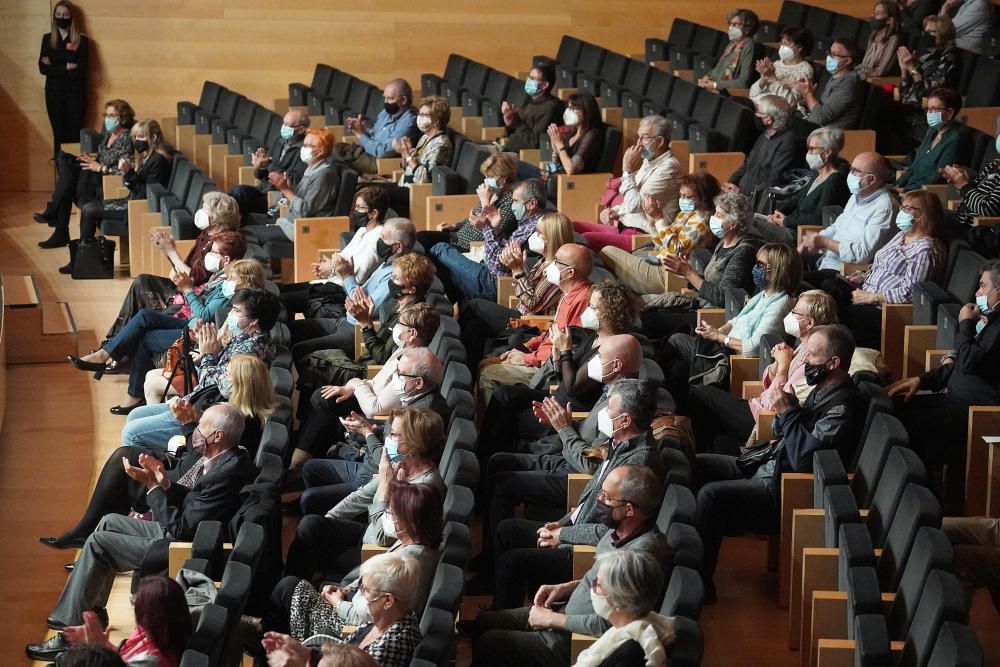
66	110
249	199
817	277
521	567
938	426
91	215
864	320
321	425
722	422
508	420
481	321
332	546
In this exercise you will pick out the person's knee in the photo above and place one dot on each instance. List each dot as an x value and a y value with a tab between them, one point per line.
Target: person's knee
312	528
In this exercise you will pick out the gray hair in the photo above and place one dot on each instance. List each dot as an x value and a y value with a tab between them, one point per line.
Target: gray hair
993	268
637	398
830	138
641	487
402	88
402	231
839	342
737	207
426	365
395	573
533	188
632	580
222	210
660	126
777	108
227	418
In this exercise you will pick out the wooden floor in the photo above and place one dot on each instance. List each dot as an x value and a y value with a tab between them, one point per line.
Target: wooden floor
57	432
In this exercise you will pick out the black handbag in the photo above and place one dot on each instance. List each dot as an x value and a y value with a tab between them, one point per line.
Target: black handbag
752	458
93	259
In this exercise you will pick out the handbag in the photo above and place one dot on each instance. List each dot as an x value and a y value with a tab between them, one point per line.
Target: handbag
93	259
753	457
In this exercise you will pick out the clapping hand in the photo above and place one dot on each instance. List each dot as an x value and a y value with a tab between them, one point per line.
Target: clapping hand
955	175
485	195
356	125
765	67
676	264
804	87
206	335
182	280
91	632
361	307
323	268
555	136
906	59
776	218
782	402
278	179
355	423
550	413
783	354
608	216
513	257
125	165
652	207
561	340
260	158
509	112
150	471
183	412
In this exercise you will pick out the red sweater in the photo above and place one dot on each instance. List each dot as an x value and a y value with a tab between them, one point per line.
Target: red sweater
571	307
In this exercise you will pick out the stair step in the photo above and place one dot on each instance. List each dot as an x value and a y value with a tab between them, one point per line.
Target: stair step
57	318
20	291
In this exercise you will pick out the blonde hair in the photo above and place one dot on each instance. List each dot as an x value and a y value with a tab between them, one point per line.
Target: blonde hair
784	267
500	165
151	128
558	231
440	111
416	270
223	211
246	273
253	394
421	429
820	306
945	28
74	30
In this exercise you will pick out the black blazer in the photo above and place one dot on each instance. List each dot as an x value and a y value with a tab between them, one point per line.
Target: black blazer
155	169
285	158
57	77
215	497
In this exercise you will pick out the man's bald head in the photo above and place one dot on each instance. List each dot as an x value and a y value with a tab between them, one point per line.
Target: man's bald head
873	170
578	258
621	357
297	119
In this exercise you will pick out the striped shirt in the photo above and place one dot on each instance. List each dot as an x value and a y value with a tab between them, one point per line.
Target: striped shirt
898	266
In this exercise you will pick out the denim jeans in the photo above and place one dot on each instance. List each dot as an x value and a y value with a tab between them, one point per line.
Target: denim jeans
149	332
328	481
472	279
150	426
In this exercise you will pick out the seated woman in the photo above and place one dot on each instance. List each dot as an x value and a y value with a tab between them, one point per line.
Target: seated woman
578	144
943	144
980	197
735	67
939	66
827	187
415	517
407	450
776	276
496	191
722	421
880	54
794	64
245	383
79	177
730	267
482	319
154	167
624	592
917	252
314	196
218	213
432	150
687	232
152	332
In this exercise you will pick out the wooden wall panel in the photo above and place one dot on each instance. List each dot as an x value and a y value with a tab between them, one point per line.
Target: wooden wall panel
156	52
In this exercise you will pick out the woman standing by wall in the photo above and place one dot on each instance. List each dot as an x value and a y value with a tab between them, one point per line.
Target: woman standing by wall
64	62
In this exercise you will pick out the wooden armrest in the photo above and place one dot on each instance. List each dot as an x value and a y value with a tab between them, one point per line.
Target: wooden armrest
742	367
576	194
715	317
579	416
802	230
721	165
933	358
985	221
505	289
493	133
374	369
848	268
641	240
752	389
765	420
738	92
530	155
578	644
448	208
311	234
543	322
583	559
983	119
564	93
857	141
575	483
983	420
895	318
369	550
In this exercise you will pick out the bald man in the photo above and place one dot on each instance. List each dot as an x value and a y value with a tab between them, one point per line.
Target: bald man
861	230
286	147
570	270
396	120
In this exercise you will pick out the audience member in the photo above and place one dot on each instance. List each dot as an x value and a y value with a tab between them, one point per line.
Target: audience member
649	170
735	67
976	540
843	97
883	41
972	19
396	120
944	143
577	144
775	151
980	197
794	63
524	125
282	158
939	66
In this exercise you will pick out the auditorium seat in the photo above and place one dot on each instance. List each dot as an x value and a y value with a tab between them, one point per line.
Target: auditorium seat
298	93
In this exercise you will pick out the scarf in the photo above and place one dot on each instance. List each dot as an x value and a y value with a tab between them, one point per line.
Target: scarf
749	318
733	49
653	633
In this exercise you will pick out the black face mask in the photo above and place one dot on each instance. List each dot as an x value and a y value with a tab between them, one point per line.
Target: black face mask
816	373
383	250
140	145
395	289
604	515
876	24
391	108
359	219
64	23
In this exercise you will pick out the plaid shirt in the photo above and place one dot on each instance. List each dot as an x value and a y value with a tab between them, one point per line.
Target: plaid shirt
898	267
495	241
394	648
212	366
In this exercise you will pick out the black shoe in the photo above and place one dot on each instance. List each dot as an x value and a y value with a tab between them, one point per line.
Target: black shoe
97	368
66	270
57	240
468	629
117	367
119	410
481	584
102	616
69	567
62	543
48	649
42	219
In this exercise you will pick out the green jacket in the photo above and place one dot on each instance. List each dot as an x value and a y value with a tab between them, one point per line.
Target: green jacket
923	169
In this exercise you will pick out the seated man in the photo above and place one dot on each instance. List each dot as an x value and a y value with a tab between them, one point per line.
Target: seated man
570	270
830	418
629	498
775	152
522	546
283	158
396	120
526	124
938	422
396	238
204	487
857	234
843	98
977	553
467	279
650	170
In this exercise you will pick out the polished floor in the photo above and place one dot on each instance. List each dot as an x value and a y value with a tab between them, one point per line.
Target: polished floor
57	432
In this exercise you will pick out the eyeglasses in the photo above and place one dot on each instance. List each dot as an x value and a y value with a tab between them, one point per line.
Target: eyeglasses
646	140
362	210
797	314
365	591
910	209
937	109
858	172
838	55
763	265
604	497
404	375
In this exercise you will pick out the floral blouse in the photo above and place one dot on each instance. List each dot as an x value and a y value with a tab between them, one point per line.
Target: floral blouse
939	68
466	233
120	148
782	85
430	152
687	233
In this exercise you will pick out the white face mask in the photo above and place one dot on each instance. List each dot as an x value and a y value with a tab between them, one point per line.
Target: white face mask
792	325
201	220
361	608
589	319
399	384
388	525
570	117
595	369
814	161
228	288
424	123
600	604
213	261
536	243
306	154
786	52
553	274
397	335
735	33
605	424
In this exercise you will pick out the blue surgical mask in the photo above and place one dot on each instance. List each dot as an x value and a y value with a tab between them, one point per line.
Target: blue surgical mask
904	220
287	132
980	325
228	288
519	210
392	450
491	183
997	144
647	153
982	303
934	118
759	274
232	321
716	225
832	65
111	124
685	204
531	87
854	183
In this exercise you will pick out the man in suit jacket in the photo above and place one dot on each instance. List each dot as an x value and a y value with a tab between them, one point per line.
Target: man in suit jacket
282	158
204	488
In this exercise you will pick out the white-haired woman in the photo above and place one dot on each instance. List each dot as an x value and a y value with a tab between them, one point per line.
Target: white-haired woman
389	586
626	588
774	153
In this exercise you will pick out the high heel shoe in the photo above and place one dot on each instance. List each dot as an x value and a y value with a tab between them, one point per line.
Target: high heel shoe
122	411
82	365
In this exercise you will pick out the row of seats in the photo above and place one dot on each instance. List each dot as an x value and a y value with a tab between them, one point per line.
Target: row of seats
336	95
478	89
